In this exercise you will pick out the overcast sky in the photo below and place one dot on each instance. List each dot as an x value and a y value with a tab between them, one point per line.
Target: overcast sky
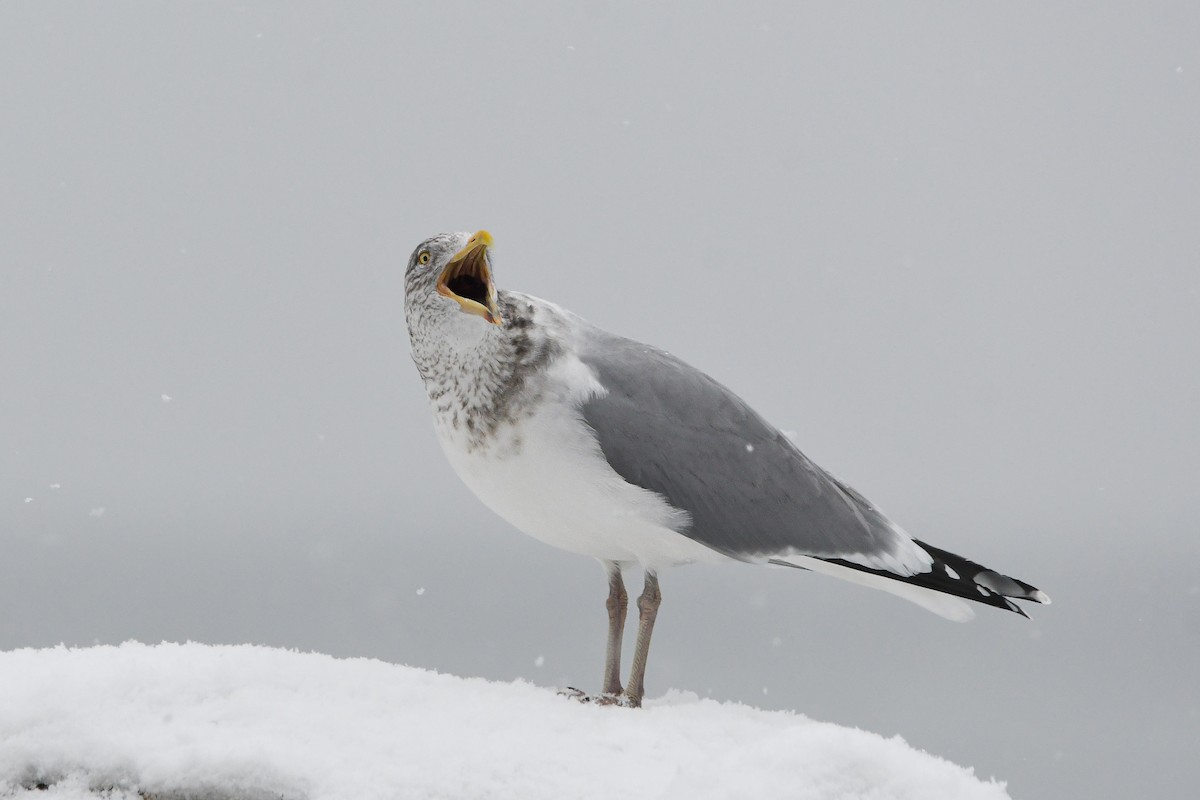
953	247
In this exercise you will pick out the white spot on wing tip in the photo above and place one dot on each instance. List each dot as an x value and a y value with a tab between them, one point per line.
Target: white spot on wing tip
1040	597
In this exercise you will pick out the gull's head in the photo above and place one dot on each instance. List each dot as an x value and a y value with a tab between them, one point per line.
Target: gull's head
448	288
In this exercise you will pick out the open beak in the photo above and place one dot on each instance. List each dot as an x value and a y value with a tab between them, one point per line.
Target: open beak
468	281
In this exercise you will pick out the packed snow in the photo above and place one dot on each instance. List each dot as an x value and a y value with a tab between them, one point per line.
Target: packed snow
201	721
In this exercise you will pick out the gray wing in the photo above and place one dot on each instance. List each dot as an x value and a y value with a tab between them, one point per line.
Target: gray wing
669	428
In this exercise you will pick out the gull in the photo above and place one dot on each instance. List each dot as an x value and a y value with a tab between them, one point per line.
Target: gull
613	449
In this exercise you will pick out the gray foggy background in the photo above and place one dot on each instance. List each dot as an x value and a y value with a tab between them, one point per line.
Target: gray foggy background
952	246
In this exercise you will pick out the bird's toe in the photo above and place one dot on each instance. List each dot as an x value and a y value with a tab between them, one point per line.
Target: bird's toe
622	699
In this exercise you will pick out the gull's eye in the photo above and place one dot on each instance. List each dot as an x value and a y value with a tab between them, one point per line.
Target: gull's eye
423	258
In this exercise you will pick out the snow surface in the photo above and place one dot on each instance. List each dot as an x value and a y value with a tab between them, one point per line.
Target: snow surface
202	721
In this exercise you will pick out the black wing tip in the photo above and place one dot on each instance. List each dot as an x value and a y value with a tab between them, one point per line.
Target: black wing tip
1009	605
954	575
975	582
949	581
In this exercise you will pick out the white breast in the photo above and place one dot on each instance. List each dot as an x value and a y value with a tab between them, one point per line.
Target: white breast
547	477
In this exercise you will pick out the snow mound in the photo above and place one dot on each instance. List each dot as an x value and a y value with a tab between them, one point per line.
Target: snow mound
198	721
